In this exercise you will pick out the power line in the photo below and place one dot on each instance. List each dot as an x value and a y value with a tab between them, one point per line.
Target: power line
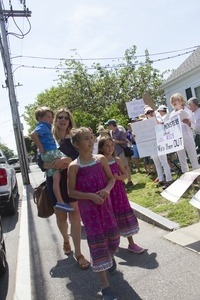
104	58
104	67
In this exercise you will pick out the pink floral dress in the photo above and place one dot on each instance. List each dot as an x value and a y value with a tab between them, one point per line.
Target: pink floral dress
99	220
124	214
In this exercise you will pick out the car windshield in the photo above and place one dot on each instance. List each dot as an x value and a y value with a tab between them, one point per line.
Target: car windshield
13	160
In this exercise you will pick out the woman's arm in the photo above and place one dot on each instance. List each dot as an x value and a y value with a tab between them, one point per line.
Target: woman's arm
187	121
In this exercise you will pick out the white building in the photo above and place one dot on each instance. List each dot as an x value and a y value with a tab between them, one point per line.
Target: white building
185	79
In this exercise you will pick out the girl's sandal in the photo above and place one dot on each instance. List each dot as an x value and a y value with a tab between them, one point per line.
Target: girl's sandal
82	262
67	248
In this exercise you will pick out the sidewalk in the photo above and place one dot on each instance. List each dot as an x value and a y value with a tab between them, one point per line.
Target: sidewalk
162	272
188	237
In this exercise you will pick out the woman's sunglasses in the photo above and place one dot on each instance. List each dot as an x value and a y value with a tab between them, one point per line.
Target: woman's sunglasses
63	118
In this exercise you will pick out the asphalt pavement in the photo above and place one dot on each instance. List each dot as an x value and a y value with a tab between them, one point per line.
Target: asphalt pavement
168	269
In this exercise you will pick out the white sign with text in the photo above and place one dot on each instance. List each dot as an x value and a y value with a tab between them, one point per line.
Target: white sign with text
135	108
145	137
169	136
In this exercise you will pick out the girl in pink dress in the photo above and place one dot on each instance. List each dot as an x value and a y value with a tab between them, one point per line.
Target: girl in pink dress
125	217
90	181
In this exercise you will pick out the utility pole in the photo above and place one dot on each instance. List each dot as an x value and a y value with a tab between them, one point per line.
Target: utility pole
20	142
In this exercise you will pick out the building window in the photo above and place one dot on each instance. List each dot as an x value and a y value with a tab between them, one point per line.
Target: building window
188	93
197	92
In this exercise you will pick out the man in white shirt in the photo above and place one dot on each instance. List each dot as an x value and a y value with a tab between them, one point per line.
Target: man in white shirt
194	106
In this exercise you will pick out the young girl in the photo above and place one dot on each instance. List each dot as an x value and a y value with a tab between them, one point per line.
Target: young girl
126	220
90	181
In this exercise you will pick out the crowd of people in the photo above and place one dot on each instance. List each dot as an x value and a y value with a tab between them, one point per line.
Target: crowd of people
87	178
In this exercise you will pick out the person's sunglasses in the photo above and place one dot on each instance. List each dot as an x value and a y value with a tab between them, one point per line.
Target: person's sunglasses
150	112
63	118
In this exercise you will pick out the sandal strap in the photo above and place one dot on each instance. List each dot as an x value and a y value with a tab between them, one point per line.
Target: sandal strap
79	257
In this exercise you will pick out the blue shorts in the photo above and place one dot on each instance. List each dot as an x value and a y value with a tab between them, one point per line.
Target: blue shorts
135	152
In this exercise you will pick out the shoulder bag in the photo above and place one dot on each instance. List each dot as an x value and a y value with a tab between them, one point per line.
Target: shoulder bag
43	201
128	151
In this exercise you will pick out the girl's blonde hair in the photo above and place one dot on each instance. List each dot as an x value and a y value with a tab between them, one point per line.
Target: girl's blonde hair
179	97
55	129
77	132
102	142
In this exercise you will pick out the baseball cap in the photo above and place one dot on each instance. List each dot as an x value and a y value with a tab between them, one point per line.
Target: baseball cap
162	107
111	122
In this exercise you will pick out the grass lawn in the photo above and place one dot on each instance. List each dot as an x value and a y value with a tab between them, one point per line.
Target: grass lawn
146	194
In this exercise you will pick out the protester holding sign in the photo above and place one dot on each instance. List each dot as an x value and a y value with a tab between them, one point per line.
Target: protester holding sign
161	162
178	102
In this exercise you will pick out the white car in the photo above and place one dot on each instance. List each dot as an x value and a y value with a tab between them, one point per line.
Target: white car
14	161
8	186
3	262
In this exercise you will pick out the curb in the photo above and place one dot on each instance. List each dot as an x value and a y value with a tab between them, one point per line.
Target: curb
23	278
150	217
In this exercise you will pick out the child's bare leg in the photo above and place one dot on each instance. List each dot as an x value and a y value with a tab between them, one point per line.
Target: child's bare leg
56	187
137	163
107	292
103	279
130	240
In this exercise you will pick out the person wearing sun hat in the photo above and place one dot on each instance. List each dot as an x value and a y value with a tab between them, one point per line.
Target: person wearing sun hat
148	110
163	114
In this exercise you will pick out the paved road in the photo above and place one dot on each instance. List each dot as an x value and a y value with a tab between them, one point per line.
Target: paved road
165	271
11	237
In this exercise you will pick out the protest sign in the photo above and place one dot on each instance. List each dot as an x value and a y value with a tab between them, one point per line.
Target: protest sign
169	136
195	201
178	188
145	137
135	108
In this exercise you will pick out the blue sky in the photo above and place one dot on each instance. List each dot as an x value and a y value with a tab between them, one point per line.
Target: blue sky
95	29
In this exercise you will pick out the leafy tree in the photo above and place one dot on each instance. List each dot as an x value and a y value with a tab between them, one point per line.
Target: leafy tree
8	152
97	93
31	148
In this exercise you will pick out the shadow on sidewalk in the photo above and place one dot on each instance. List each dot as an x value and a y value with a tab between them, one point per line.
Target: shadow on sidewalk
85	285
143	260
